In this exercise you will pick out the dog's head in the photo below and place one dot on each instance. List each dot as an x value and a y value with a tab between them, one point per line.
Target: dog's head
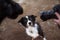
27	20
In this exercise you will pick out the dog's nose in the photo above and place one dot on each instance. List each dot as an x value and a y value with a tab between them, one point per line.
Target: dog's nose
29	23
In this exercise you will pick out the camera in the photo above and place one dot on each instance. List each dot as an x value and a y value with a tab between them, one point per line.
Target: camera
50	14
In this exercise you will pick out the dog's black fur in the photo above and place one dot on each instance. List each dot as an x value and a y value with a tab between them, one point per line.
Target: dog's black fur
10	9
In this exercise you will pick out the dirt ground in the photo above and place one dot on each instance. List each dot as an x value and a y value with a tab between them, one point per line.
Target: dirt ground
11	30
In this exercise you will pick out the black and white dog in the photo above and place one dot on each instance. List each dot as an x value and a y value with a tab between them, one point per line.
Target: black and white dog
33	29
10	9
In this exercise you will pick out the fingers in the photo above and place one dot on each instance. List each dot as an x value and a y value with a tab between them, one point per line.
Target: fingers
58	16
57	21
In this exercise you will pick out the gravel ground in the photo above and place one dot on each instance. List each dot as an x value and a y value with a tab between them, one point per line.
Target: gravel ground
11	30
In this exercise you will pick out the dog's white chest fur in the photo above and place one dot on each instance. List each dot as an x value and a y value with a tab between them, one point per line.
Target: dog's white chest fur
32	31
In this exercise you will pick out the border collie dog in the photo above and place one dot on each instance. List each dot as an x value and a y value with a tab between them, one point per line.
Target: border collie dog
10	9
33	29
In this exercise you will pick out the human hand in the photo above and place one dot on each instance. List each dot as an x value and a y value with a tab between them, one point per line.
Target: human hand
57	20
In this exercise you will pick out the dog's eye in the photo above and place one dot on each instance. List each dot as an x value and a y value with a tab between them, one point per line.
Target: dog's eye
30	18
25	20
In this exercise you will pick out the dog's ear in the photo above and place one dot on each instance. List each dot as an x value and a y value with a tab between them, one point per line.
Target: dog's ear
33	16
21	20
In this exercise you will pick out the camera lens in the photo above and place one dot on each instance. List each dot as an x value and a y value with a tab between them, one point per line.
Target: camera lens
45	15
50	14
